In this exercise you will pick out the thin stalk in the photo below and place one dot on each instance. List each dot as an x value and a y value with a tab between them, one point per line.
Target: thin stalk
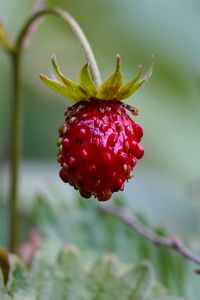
17	107
77	30
16	145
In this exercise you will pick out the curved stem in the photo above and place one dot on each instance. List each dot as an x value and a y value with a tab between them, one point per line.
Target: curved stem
174	242
71	22
16	118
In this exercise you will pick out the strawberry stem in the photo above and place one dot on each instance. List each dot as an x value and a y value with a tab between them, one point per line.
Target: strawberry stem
75	27
16	117
16	138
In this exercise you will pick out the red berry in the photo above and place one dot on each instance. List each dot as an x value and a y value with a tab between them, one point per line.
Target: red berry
64	175
139	151
66	144
99	147
138	132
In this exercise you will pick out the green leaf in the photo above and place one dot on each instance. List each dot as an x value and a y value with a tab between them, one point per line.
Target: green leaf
19	285
103	278
110	87
129	88
69	259
137	283
45	216
86	81
3	293
61	272
96	233
62	278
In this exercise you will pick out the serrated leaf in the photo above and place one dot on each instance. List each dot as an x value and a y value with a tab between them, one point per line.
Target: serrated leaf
110	87
58	278
86	81
103	279
97	233
65	274
3	294
19	286
69	259
129	88
137	283
158	290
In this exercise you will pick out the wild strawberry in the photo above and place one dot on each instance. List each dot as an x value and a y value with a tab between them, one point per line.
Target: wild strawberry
98	141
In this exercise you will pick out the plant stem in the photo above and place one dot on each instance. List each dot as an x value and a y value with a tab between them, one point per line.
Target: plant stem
173	242
75	27
16	117
16	141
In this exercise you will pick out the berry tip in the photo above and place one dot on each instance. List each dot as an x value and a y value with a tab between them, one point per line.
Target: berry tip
53	56
53	59
118	61
118	58
140	68
42	76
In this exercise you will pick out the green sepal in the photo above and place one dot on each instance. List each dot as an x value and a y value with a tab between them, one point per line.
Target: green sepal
56	86
126	90
129	88
86	81
110	87
73	91
64	86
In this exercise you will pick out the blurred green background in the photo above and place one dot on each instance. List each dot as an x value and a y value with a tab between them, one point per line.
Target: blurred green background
167	181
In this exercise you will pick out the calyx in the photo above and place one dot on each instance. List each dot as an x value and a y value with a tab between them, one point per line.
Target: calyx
112	88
